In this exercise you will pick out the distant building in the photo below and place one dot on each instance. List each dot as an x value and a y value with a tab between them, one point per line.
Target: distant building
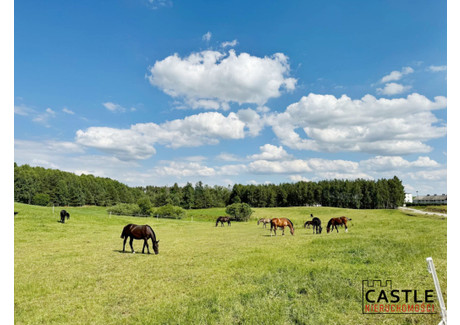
408	198
431	199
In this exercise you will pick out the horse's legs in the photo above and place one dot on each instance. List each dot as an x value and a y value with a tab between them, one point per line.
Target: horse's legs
131	244
146	244
124	243
346	228
283	231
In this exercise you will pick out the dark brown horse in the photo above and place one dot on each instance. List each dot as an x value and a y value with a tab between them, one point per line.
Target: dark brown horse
222	219
334	222
307	224
64	214
264	221
139	232
281	223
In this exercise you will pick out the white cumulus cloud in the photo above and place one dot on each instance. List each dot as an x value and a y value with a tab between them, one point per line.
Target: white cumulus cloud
123	144
137	141
395	163
229	44
393	88
279	167
380	126
210	78
270	152
396	75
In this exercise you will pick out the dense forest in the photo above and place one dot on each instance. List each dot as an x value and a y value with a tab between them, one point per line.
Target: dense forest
41	186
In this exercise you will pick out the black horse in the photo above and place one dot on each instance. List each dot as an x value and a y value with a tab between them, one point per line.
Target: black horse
139	232
316	223
64	214
222	220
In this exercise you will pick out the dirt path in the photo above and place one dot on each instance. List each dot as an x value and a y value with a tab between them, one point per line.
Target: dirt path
422	212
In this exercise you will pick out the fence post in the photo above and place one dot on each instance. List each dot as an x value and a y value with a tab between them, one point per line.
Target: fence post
432	270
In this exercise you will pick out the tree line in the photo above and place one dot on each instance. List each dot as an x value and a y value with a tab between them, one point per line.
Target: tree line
41	186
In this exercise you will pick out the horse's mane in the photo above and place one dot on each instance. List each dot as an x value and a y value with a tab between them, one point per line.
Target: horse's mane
290	222
154	236
329	223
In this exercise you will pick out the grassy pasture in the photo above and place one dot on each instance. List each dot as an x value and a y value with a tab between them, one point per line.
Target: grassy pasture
431	208
75	272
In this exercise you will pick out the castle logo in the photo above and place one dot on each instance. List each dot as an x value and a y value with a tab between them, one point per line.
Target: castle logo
379	297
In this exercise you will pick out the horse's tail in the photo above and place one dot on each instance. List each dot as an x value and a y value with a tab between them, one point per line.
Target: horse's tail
123	232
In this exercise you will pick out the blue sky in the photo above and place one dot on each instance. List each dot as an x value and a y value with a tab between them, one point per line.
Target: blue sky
158	92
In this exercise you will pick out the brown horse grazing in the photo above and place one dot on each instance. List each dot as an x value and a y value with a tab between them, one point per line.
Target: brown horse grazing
222	219
281	222
139	232
334	222
265	221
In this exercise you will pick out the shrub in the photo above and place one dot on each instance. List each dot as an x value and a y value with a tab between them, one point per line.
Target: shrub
145	206
170	211
125	209
239	211
41	199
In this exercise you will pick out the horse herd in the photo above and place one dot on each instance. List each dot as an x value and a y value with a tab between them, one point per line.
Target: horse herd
315	223
276	223
145	232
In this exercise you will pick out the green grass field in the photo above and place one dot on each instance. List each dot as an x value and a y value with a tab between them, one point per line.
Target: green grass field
431	208
75	273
